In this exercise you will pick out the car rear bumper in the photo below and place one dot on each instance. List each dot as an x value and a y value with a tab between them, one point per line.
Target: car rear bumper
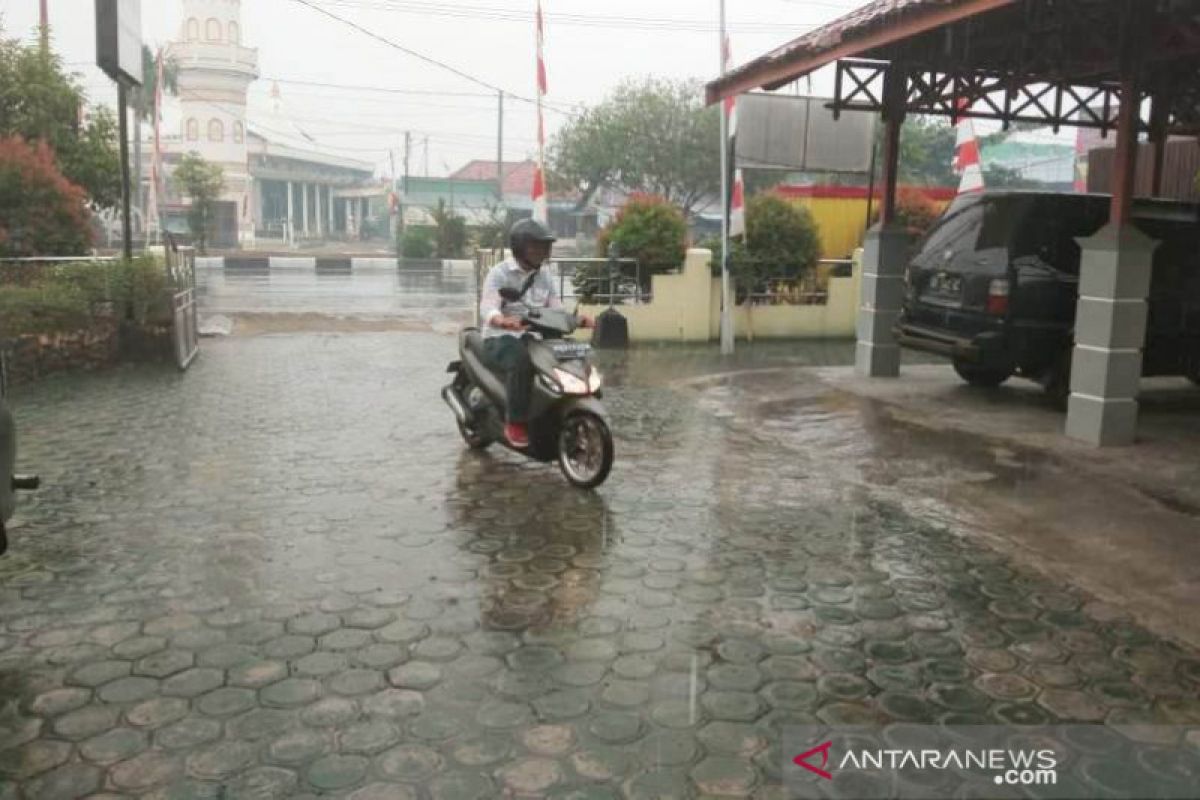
987	349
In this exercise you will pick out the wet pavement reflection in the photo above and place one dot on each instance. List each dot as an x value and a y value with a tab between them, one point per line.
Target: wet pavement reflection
281	575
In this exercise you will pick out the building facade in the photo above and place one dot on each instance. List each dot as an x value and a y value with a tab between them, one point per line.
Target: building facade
275	191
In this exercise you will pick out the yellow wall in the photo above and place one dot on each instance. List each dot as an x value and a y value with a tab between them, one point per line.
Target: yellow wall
842	222
687	308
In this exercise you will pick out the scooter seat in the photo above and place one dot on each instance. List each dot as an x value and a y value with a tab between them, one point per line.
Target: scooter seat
473	342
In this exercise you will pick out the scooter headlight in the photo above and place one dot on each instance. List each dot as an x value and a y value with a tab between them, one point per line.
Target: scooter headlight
595	381
571	384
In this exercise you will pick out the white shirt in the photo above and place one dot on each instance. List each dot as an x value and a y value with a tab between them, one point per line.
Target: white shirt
510	275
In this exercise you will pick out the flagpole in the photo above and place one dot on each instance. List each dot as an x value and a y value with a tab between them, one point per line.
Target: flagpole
541	211
726	298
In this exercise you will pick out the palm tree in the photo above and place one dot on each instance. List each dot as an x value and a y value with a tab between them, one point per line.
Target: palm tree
142	101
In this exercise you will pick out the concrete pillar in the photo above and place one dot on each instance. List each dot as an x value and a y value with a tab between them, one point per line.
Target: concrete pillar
289	233
304	186
885	256
1110	333
320	216
332	227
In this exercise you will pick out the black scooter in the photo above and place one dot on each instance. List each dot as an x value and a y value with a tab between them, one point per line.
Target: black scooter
567	421
9	483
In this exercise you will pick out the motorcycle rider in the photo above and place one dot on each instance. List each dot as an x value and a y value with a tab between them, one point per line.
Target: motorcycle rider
505	345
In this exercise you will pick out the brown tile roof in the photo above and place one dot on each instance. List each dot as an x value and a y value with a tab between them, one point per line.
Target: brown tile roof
857	25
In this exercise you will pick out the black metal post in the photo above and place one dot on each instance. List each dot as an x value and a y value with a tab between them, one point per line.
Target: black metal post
126	216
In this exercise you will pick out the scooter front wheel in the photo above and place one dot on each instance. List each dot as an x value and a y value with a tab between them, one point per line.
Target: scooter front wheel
585	449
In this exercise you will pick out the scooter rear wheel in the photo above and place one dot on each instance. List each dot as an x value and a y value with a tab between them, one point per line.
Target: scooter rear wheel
585	450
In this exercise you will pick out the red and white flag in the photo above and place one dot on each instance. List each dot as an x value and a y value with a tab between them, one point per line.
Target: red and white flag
968	161
541	211
151	221
737	198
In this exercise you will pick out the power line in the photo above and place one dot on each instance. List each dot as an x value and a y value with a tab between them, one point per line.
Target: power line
420	56
509	14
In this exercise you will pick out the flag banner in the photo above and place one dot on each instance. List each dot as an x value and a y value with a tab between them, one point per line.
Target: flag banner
541	209
968	160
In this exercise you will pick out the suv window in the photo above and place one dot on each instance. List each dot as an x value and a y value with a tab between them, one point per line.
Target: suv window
959	232
1050	233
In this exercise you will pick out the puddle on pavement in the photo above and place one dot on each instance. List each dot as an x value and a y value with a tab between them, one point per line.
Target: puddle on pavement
284	570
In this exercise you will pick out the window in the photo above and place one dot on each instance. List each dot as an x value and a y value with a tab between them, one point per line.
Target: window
216	131
235	33
239	132
193	130
213	34
193	29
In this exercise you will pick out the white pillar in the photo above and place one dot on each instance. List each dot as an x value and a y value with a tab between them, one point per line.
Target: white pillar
885	251
320	218
1110	334
332	226
304	186
289	233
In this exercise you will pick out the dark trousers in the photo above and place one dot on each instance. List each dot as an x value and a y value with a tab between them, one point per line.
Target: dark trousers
510	355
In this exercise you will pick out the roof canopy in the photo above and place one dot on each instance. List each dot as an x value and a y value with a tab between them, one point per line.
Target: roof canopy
1057	62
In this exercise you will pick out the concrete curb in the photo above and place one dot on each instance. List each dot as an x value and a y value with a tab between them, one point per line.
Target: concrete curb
249	263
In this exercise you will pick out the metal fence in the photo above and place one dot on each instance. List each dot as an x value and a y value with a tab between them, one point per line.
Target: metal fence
811	289
181	280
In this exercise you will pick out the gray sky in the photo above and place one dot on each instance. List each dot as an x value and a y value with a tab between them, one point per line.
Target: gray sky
590	47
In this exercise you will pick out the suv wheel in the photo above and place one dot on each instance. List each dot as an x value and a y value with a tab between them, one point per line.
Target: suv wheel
981	377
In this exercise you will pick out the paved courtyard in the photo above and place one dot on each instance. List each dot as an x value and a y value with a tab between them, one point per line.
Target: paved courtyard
281	575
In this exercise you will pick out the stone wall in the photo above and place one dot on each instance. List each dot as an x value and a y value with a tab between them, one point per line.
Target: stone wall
106	343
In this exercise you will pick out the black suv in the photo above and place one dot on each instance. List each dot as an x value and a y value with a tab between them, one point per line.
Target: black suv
994	286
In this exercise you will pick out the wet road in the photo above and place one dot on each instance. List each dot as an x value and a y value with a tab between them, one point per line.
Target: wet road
281	575
365	291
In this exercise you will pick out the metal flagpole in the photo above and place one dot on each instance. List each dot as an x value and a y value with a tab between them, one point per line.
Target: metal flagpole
726	298
540	205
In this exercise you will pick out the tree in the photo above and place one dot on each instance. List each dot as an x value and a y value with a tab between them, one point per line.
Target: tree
647	229
782	243
39	101
450	231
202	183
417	243
653	137
41	212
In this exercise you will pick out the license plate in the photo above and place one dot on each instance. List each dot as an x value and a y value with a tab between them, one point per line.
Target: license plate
946	284
570	351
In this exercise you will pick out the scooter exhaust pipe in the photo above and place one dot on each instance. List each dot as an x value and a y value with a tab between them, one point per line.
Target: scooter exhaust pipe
452	398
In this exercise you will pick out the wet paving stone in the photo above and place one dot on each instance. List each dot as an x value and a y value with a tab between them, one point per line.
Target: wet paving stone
333	772
407	630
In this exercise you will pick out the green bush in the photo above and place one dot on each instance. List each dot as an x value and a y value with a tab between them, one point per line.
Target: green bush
69	296
782	243
650	230
417	243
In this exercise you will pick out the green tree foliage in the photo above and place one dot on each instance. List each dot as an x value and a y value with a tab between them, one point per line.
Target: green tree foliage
39	101
41	212
417	242
450	231
653	136
782	243
201	182
649	229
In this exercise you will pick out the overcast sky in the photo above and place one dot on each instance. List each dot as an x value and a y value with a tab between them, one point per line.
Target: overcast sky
590	47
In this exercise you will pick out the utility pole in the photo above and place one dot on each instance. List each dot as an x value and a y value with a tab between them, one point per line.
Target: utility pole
500	151
407	155
126	189
426	156
45	26
727	337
